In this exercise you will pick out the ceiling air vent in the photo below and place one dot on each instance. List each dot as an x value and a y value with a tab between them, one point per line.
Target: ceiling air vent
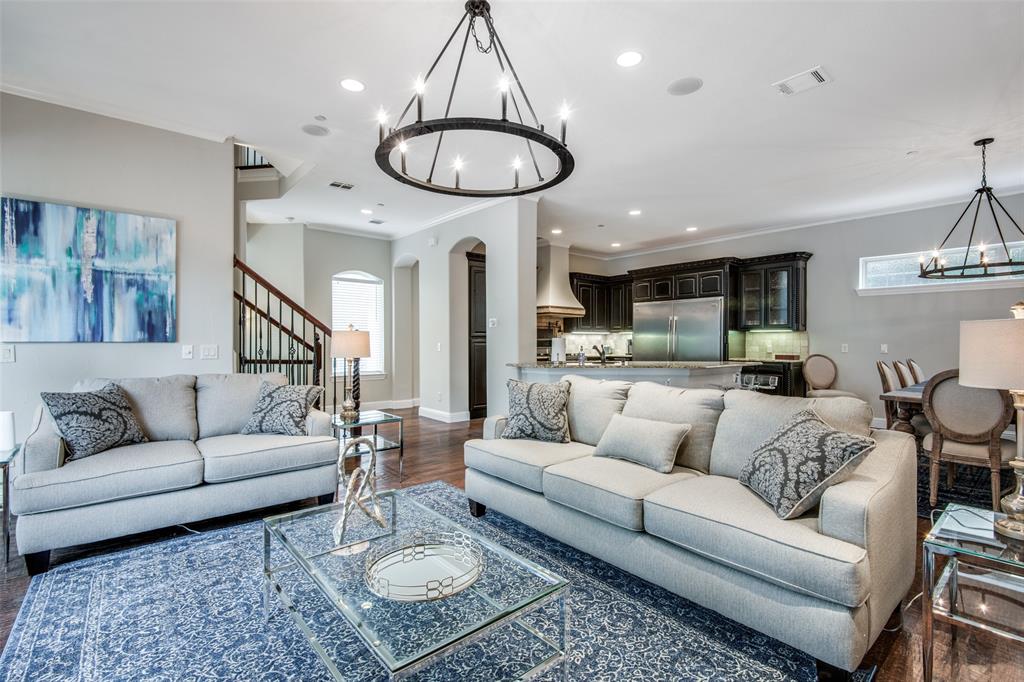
376	221
801	82
342	185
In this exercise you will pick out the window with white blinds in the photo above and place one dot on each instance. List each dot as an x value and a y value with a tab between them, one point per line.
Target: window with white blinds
357	298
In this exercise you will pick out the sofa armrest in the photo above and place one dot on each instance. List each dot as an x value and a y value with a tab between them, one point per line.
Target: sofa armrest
43	449
318	423
494	426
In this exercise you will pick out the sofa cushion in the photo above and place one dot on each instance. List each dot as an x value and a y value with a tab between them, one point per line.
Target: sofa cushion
537	411
646	442
234	457
520	461
698	407
224	402
592	402
164	406
718	518
129	471
609	489
91	422
751	418
282	410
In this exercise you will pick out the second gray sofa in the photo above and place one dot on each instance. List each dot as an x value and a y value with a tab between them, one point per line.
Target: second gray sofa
196	465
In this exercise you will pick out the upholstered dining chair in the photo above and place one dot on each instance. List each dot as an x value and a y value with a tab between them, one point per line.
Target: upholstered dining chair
916	371
967	425
903	374
820	374
889	383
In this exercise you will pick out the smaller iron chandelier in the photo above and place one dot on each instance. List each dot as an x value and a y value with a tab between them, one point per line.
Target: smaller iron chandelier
937	267
397	139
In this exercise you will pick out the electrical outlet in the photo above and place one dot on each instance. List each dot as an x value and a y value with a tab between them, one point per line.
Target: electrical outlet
186	352
208	351
432	241
439	398
844	348
7	352
885	349
492	322
438	346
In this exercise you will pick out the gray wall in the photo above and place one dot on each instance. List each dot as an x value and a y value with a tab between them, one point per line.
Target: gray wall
924	326
62	155
275	251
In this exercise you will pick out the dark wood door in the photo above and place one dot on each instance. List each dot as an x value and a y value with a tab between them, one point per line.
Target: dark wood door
477	335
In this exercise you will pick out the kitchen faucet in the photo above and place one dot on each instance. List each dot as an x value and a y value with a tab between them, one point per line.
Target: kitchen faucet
602	353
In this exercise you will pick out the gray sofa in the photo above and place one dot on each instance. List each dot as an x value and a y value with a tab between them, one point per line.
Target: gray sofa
195	466
825	583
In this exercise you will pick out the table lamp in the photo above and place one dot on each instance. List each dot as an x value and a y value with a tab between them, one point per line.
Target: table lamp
992	356
350	344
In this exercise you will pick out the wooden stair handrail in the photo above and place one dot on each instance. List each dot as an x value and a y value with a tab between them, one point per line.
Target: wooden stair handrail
262	281
273	322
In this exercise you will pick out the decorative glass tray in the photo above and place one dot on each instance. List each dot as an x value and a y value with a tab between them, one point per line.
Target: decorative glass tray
424	566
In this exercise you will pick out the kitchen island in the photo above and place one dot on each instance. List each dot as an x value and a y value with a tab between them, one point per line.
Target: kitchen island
696	374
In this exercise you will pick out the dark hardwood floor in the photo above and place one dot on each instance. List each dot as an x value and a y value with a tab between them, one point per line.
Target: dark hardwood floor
433	451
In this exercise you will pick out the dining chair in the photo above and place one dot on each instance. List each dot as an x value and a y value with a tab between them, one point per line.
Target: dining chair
903	374
889	383
820	375
967	425
915	369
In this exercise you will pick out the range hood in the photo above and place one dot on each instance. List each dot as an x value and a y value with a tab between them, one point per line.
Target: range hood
554	295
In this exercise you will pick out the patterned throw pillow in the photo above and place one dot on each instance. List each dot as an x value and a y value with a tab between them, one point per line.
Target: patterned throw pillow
793	468
282	409
537	411
93	421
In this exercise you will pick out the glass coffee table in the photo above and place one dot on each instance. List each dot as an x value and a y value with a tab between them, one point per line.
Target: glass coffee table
478	602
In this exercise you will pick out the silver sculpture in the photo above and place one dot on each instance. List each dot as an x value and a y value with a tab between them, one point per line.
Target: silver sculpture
360	490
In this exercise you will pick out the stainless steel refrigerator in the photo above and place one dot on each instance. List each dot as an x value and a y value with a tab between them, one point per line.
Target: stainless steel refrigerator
679	330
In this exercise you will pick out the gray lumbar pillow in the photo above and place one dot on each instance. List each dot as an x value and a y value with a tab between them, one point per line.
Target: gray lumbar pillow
537	411
282	409
646	442
793	468
93	421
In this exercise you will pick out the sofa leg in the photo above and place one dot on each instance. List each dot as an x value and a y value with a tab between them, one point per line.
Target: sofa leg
37	562
477	509
325	499
830	673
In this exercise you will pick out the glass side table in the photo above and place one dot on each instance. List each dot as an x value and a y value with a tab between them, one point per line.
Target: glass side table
6	456
980	584
370	419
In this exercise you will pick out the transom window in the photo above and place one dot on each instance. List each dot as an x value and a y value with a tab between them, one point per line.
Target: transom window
898	273
357	298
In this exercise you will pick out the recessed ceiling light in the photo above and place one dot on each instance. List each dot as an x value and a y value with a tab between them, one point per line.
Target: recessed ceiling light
366	211
556	231
628	59
600	224
315	130
685	86
691	229
635	211
616	245
352	85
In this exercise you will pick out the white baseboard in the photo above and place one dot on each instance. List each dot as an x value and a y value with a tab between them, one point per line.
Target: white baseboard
446	417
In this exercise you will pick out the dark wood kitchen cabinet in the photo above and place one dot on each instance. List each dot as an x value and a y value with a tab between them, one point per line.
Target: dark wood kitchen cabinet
607	302
772	292
620	304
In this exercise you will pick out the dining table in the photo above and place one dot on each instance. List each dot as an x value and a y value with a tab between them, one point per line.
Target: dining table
909	401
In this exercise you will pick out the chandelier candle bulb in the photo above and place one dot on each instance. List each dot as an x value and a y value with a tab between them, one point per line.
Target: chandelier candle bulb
382	119
402	148
564	114
516	163
420	87
503	86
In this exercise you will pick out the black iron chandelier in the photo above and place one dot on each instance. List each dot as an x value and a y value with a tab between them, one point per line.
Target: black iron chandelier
395	141
939	267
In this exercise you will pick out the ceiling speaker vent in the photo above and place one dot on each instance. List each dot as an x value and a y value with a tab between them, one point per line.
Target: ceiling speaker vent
802	82
342	185
376	221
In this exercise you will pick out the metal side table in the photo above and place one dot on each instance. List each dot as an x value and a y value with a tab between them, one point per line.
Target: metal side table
980	585
371	419
6	457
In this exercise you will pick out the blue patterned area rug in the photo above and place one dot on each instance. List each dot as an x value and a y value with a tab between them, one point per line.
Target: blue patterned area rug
190	609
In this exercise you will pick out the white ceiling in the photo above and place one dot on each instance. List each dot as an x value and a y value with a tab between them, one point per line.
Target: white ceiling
733	157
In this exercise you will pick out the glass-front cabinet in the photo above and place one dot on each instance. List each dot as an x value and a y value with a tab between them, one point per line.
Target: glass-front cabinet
751	293
777	295
772	293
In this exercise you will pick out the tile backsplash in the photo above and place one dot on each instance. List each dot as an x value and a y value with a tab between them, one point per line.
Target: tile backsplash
764	345
618	342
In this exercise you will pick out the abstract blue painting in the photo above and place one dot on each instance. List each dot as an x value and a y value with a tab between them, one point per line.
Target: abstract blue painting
85	274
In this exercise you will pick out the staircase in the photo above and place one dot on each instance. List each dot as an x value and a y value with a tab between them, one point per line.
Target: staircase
276	334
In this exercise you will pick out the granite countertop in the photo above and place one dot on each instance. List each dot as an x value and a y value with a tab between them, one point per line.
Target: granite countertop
572	366
791	362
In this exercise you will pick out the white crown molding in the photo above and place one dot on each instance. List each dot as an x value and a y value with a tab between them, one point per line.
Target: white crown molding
350	232
462	211
103	109
1007	192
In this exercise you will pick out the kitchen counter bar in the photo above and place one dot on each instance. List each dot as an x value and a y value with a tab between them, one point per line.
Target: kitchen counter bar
682	374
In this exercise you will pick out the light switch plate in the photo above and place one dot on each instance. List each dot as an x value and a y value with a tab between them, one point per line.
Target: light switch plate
438	346
186	351
492	322
208	351
7	352
885	349
844	348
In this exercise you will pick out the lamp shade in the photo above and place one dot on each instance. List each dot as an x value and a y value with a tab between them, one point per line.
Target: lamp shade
350	343
992	354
